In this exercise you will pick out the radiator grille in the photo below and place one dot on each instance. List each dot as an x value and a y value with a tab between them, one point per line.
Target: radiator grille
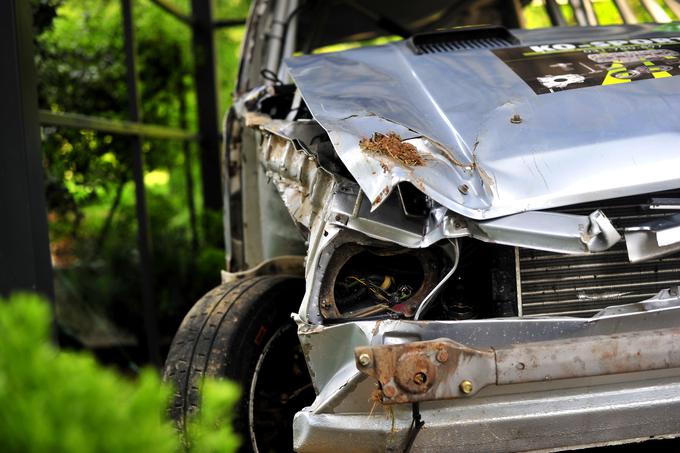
557	284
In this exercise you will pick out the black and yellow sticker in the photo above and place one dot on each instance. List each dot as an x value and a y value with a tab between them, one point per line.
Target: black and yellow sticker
548	68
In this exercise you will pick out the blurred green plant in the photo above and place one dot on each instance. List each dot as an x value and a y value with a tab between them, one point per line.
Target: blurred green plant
64	402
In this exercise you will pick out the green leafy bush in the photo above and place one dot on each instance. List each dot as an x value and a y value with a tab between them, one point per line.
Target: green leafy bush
57	402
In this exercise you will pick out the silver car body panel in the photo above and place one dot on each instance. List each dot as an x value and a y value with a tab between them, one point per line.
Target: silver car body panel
455	107
539	421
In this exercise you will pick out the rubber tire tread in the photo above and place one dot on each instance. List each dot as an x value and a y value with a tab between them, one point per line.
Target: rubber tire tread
220	336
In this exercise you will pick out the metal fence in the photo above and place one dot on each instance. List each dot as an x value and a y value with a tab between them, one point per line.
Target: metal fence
19	267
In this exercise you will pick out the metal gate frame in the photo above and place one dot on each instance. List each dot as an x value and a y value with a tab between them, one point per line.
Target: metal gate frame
25	262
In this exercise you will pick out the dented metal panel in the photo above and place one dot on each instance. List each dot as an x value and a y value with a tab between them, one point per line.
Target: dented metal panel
478	125
541	421
653	239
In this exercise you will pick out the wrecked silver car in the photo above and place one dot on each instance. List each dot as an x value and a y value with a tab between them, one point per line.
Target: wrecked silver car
476	229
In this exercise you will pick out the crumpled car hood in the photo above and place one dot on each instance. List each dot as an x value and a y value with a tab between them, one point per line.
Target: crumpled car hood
491	145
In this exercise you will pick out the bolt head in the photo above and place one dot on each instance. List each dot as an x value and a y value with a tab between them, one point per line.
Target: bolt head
364	359
515	119
389	391
464	189
466	387
442	355
420	378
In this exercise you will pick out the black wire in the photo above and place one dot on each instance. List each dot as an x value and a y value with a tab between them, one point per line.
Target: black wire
268	74
416	424
294	13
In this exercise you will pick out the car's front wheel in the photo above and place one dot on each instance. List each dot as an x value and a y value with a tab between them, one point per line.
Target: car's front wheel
242	331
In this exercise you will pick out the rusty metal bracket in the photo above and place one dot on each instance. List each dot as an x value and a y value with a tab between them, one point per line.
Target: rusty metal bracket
427	370
444	369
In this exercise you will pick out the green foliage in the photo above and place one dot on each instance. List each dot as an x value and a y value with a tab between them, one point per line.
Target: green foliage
81	69
210	430
605	10
535	16
63	402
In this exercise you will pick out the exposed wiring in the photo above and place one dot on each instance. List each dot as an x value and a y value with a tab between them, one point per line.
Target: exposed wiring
380	291
416	423
270	76
285	24
424	305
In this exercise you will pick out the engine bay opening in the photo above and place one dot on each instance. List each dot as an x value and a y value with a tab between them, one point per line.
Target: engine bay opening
369	280
363	282
380	281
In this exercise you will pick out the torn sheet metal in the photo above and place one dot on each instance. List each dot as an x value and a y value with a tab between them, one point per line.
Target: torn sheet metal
666	298
550	231
653	239
491	146
538	230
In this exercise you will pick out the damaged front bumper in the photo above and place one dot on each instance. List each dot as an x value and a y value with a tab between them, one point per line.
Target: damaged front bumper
495	384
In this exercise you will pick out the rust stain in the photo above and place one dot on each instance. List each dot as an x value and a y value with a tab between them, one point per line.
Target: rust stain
391	145
418	371
376	328
381	196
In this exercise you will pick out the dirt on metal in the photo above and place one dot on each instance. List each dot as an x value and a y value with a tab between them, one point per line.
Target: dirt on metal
391	145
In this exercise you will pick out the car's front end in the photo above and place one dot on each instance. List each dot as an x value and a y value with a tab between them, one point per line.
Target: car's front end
491	228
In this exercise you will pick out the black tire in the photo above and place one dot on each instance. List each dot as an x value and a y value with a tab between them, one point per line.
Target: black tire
231	331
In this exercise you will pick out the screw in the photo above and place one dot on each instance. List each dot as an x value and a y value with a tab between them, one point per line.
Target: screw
442	355
420	378
466	387
464	189
365	359
338	217
515	119
389	391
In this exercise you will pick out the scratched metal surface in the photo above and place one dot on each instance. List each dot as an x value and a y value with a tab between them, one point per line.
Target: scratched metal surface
570	147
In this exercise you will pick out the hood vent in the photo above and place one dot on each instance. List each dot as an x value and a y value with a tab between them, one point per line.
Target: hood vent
464	38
